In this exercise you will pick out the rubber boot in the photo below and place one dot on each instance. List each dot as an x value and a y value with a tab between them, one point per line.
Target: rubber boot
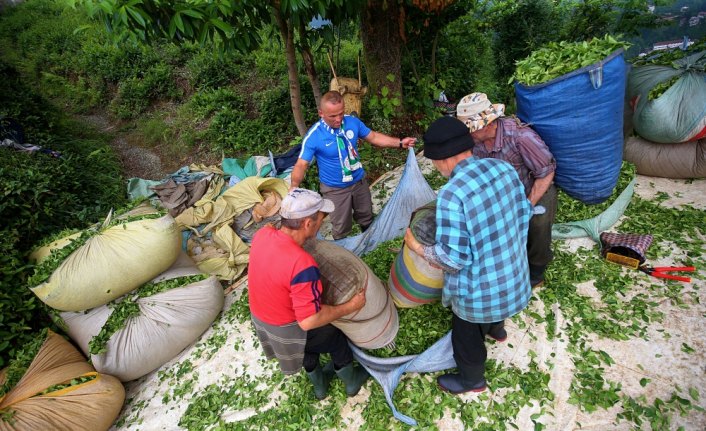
321	379
353	377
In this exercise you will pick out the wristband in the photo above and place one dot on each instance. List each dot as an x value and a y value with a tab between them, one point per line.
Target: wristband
400	143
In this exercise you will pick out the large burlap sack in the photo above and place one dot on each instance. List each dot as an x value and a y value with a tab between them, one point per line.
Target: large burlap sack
580	117
168	322
683	160
413	281
344	274
110	263
91	406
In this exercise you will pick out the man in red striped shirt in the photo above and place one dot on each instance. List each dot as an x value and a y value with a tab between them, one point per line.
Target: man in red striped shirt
284	286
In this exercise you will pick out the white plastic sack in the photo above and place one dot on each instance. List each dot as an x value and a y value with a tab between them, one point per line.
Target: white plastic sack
168	322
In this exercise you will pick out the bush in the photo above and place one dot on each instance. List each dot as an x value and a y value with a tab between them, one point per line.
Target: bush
135	94
41	196
208	70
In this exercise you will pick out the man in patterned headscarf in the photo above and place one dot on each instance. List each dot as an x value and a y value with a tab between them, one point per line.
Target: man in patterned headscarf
508	139
482	215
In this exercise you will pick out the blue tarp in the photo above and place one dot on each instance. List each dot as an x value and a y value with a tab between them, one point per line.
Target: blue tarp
412	192
388	371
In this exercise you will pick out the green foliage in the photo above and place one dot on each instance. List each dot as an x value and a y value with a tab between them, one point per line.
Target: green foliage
435	179
243	125
42	194
466	60
73	382
208	70
270	61
521	27
557	59
388	103
135	93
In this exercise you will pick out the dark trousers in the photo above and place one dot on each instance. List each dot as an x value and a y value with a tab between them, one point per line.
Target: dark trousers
352	202
539	236
468	341
326	339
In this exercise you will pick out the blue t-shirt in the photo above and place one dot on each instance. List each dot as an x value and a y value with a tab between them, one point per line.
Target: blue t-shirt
320	142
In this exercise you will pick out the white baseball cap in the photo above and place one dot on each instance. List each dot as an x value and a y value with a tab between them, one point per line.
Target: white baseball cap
300	203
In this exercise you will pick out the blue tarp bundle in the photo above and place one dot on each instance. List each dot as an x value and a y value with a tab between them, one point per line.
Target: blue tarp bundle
580	117
412	192
388	371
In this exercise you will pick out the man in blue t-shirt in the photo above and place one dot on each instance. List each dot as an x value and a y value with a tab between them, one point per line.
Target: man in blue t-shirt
333	140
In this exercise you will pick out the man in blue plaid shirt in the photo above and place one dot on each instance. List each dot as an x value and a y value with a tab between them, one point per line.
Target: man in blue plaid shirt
482	216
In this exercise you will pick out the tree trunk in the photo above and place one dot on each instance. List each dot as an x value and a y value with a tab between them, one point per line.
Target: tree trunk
309	65
433	55
295	94
382	45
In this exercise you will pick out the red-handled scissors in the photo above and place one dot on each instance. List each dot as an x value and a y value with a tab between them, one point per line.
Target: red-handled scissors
660	272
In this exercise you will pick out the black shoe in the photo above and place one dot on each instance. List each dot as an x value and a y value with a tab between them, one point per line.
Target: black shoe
454	384
498	333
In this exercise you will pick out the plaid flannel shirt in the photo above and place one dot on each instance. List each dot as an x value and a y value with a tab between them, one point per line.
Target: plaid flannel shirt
482	217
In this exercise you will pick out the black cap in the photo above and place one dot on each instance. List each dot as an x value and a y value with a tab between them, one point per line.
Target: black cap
445	138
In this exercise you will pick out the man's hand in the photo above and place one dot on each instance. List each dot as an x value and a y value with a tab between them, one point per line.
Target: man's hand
412	242
298	173
358	300
408	142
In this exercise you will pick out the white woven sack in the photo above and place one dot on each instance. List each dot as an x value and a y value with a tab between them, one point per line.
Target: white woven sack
168	322
111	263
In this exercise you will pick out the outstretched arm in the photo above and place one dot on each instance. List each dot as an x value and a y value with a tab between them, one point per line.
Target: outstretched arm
382	140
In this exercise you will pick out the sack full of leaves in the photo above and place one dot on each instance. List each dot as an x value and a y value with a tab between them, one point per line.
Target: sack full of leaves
142	330
94	266
413	281
343	274
572	94
682	160
667	91
50	386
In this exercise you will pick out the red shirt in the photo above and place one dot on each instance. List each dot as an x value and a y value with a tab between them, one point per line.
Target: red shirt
284	283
